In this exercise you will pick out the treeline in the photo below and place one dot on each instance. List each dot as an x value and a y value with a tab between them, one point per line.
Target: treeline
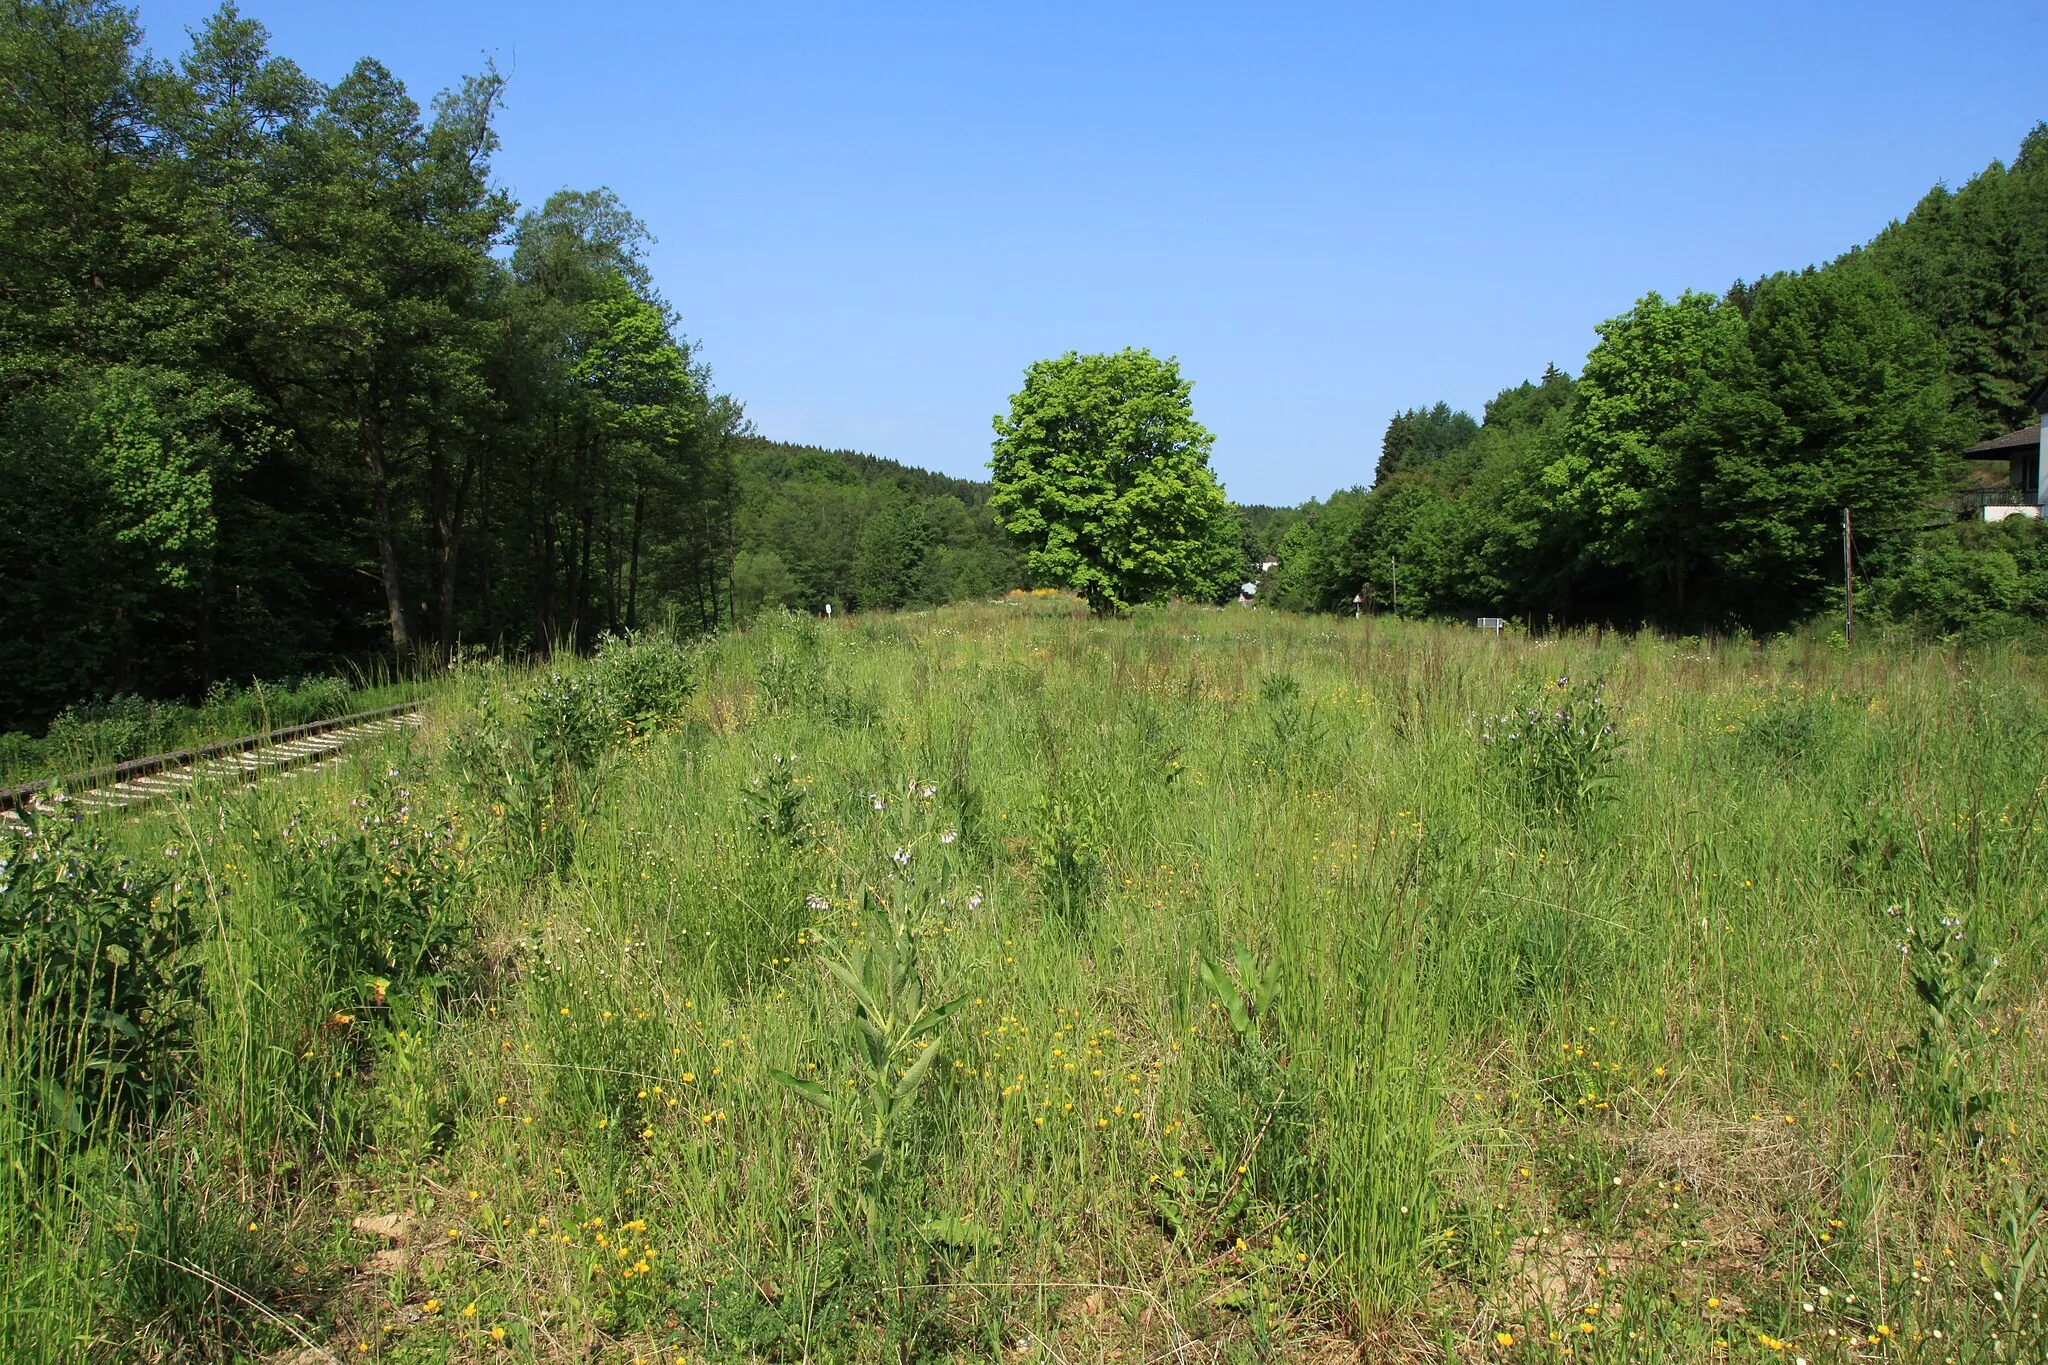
286	379
861	533
1694	476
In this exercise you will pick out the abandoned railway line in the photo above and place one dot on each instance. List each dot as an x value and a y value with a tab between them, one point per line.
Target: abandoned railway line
248	759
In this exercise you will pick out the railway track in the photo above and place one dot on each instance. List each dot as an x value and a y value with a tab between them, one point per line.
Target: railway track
252	758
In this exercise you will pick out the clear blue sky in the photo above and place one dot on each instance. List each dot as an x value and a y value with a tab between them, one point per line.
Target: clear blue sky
873	217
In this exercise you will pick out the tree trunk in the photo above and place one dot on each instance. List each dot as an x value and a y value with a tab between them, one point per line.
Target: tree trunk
582	596
633	559
387	539
449	531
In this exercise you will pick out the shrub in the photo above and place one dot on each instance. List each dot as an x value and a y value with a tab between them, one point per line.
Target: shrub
1975	581
383	900
644	682
1555	745
98	952
1296	736
1792	727
793	679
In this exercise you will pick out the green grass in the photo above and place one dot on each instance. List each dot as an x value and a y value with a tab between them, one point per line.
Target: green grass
1296	1018
114	730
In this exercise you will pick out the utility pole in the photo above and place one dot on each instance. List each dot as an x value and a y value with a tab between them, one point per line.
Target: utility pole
1396	565
1848	580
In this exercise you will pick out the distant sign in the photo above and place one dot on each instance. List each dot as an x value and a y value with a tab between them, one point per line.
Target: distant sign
1492	623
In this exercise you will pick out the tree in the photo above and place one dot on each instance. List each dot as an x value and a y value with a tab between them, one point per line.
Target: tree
1420	437
1835	399
1626	482
1102	472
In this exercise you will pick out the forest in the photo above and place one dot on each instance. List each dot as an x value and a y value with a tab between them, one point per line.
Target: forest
1693	477
287	382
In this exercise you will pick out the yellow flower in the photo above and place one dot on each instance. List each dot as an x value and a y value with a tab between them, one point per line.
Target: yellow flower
1504	1338
431	1306
497	1334
469	1311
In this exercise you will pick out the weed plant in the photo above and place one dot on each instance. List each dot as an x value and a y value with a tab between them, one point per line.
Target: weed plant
1002	983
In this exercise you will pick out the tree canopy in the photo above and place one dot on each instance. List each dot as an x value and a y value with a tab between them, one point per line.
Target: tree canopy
1102	472
287	381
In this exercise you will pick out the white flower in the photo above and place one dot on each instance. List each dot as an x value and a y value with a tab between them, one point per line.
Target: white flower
817	902
974	901
902	857
949	836
879	802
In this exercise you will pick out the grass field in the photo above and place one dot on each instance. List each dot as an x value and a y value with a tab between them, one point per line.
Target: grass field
1000	983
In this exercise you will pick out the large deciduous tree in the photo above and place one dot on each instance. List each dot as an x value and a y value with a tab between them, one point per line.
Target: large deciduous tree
1102	472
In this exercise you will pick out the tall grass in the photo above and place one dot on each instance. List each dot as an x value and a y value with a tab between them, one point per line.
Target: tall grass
1295	1014
114	729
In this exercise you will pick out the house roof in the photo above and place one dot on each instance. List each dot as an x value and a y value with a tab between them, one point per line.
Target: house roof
2012	443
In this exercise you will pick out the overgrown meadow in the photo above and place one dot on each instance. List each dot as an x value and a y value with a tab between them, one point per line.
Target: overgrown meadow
998	982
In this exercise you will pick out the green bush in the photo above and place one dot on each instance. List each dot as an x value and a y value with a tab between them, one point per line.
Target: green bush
1975	581
99	953
383	900
644	681
1555	745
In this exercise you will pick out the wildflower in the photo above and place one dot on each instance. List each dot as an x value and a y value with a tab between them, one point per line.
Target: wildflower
1504	1338
431	1306
469	1310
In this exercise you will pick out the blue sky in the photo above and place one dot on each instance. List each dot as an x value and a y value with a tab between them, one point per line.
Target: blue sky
874	217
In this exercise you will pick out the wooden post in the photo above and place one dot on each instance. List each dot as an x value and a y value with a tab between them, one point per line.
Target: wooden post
1396	565
1848	580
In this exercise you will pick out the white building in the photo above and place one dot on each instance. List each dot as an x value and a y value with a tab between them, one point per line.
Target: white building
2026	452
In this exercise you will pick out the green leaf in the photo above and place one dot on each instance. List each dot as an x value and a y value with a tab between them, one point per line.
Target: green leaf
914	1077
854	984
809	1091
934	1018
957	1233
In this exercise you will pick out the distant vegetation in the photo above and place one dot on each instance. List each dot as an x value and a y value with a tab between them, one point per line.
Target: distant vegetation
819	526
1694	476
290	386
